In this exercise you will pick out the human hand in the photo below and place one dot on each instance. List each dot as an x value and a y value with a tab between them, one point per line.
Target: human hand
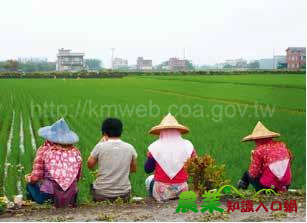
28	178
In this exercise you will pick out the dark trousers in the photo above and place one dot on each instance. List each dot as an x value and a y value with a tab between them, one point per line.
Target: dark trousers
36	195
66	198
60	198
247	179
98	197
151	185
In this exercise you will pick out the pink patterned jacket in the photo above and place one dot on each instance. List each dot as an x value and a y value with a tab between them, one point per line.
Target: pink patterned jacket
271	163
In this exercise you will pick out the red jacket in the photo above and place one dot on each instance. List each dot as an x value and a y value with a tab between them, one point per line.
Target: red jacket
271	163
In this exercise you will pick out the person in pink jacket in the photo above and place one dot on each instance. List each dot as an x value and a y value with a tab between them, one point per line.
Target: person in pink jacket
270	166
56	167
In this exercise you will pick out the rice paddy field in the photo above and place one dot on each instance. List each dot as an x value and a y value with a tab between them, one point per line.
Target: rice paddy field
219	110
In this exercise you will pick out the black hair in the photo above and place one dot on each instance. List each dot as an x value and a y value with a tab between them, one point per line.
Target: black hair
112	127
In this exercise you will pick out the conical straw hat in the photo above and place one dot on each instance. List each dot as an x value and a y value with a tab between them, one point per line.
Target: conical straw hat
169	122
260	132
59	132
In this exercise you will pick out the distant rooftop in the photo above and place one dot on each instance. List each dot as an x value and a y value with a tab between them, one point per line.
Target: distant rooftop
297	48
67	52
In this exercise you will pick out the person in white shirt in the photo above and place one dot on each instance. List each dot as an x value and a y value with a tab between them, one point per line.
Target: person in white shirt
116	159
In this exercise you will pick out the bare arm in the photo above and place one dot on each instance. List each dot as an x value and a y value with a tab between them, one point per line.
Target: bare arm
133	166
91	162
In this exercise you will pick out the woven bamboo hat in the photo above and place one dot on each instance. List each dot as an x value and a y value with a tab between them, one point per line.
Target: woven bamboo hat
169	122
59	132
260	132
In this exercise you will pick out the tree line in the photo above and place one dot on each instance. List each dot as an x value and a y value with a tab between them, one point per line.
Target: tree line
40	65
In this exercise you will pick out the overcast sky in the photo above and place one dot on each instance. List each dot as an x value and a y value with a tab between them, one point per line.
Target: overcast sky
210	30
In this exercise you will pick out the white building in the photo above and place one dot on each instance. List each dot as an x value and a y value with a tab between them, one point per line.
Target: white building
69	61
142	64
279	59
119	63
272	63
235	62
266	64
175	64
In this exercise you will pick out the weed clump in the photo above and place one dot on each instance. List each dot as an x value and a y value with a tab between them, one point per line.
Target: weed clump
205	174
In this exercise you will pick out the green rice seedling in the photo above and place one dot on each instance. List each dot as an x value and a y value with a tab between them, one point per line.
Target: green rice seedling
213	133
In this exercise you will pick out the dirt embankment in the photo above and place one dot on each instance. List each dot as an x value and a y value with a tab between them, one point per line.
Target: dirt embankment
149	210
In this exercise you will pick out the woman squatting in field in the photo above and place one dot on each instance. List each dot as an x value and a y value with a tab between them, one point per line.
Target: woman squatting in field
270	166
166	158
56	167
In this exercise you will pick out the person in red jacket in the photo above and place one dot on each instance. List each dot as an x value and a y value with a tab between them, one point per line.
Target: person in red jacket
56	167
270	166
166	157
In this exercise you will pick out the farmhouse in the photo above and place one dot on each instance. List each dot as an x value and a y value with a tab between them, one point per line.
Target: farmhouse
175	64
142	64
296	58
69	61
119	63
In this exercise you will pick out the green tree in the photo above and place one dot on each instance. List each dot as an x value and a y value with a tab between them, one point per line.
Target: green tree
253	65
93	64
190	66
11	65
36	66
162	65
228	66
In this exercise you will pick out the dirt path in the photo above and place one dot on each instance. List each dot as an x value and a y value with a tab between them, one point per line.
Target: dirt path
149	210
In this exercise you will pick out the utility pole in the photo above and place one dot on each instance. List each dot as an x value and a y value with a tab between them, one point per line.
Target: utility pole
112	56
274	62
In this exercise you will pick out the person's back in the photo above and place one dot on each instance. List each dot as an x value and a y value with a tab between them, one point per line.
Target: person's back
272	151
56	168
275	169
170	178
270	165
114	159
